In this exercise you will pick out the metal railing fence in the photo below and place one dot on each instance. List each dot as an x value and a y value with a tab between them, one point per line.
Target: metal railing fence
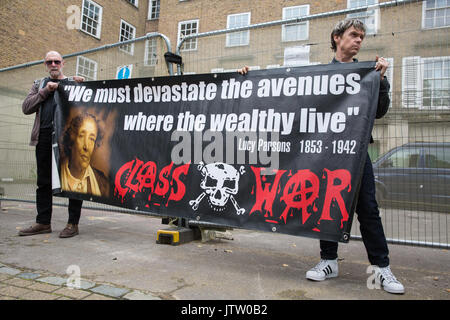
411	141
142	57
414	195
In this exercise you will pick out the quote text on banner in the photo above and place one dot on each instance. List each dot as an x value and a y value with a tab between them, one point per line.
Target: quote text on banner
274	150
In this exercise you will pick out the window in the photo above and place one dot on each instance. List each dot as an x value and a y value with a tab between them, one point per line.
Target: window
436	14
436	157
153	9
426	82
151	57
373	150
296	56
133	2
127	32
91	18
403	158
186	28
240	38
295	31
369	17
436	82
86	68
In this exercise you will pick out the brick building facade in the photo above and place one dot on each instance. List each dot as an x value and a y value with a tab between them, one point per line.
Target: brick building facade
413	36
35	27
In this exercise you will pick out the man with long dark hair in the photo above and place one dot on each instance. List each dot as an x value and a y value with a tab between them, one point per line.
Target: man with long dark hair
346	39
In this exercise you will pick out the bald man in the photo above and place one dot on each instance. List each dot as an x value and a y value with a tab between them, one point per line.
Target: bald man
40	100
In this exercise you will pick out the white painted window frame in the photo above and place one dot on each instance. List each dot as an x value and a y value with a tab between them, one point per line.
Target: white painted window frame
247	32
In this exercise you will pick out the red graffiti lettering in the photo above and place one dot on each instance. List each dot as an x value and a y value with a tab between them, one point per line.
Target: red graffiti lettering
181	189
146	177
163	185
300	194
343	178
129	183
296	193
124	172
265	195
138	177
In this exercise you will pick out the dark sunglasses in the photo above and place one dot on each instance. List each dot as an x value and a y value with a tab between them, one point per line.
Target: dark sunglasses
50	62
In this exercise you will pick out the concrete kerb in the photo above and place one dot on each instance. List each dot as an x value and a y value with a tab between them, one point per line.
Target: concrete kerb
19	284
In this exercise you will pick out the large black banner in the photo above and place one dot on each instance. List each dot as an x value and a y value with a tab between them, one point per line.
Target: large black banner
276	150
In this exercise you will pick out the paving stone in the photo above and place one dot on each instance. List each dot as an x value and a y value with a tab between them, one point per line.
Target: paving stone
72	293
95	296
57	281
110	290
29	275
38	295
12	291
4	276
138	295
84	285
18	282
10	271
43	287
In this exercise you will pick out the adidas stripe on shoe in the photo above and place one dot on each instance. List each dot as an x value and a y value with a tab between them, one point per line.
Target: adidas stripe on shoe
388	281
323	270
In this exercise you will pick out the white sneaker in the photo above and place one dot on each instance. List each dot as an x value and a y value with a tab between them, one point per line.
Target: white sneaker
323	270
388	280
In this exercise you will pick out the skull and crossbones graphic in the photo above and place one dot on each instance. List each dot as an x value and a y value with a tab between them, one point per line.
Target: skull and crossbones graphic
220	183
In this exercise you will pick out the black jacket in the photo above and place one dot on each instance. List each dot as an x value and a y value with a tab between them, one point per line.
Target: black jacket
383	97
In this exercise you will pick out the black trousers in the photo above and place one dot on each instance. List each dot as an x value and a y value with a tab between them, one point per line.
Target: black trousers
44	196
372	232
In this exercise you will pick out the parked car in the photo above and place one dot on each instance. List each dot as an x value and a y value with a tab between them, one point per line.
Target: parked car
415	176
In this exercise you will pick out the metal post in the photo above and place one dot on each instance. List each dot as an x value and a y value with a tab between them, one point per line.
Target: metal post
104	47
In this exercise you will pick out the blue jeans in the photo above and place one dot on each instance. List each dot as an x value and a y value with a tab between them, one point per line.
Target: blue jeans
370	224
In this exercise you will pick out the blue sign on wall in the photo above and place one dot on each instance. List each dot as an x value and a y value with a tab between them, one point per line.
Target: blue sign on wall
123	72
